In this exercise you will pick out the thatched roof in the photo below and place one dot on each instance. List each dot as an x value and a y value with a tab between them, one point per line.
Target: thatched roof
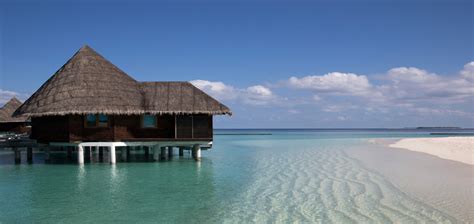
179	98
6	112
89	83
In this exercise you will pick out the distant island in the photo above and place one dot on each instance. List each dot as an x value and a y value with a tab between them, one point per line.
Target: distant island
444	128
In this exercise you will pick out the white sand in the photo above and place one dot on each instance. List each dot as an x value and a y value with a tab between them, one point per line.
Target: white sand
459	149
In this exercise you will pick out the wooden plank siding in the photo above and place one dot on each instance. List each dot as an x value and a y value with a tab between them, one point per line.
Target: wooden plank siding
15	127
122	128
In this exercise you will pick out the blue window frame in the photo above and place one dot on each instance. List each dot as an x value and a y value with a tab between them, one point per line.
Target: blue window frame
149	121
91	120
103	120
96	120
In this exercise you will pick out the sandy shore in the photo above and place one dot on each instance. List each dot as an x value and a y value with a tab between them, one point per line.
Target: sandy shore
445	184
460	149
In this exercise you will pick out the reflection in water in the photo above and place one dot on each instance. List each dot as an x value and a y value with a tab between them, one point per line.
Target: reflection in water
81	177
176	191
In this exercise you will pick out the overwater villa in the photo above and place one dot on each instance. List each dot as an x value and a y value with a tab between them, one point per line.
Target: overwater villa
9	123
89	102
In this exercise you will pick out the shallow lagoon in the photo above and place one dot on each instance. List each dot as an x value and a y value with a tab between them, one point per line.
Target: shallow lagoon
303	176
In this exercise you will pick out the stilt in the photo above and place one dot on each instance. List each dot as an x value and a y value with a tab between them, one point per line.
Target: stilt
147	152
124	154
170	151
156	152
29	155
197	152
128	153
46	154
88	153
101	154
80	154
17	155
112	154
181	151
69	153
163	153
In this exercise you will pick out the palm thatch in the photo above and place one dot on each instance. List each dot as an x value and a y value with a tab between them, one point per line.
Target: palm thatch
89	83
6	112
179	98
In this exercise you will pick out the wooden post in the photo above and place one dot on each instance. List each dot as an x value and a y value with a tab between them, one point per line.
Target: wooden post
112	154
128	153
181	151
147	152
46	154
80	154
124	154
29	154
69	153
156	152
17	155
88	153
163	153
197	152
101	154
170	151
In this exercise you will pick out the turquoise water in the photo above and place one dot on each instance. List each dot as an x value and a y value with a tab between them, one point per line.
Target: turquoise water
295	176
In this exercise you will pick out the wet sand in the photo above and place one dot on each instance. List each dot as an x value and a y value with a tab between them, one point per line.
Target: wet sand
444	184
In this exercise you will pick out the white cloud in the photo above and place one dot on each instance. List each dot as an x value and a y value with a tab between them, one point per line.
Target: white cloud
316	98
260	91
333	83
218	90
411	74
401	91
255	95
417	85
425	111
335	108
6	95
293	111
404	85
342	118
468	71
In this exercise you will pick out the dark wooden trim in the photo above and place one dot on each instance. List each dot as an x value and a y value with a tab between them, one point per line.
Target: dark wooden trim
192	126
175	127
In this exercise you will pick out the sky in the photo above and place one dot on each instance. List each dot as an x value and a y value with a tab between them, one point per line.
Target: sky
276	64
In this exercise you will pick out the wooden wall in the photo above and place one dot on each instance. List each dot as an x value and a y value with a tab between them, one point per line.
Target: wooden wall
202	126
130	127
50	129
122	128
15	127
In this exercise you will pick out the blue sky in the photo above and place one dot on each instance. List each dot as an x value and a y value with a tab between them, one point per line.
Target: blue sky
275	63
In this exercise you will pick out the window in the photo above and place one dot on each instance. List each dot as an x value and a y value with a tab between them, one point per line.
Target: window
103	120
91	120
149	121
96	120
